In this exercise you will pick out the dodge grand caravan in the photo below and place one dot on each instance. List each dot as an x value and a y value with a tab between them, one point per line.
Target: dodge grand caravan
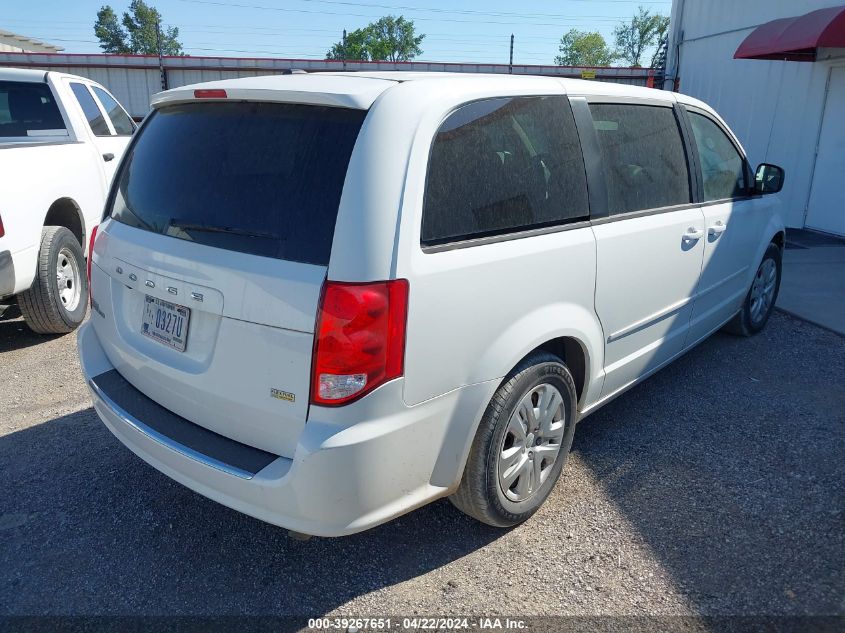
325	300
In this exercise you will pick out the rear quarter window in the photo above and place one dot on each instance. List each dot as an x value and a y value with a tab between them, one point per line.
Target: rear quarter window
504	165
258	178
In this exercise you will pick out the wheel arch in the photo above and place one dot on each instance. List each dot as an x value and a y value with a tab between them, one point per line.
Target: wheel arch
66	212
580	346
773	233
570	331
574	355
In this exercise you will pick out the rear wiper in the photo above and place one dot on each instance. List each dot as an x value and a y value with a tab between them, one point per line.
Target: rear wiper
210	228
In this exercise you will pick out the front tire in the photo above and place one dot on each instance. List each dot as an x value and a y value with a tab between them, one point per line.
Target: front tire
760	301
57	300
521	445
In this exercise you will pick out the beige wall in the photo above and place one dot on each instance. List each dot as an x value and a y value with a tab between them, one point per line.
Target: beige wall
11	44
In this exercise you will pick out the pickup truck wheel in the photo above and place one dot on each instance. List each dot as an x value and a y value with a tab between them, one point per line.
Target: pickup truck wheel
521	445
760	300
57	300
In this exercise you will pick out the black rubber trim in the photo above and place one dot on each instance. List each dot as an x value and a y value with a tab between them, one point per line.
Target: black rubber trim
593	165
693	166
7	274
179	430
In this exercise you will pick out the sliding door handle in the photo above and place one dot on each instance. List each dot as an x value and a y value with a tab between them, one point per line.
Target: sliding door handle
718	228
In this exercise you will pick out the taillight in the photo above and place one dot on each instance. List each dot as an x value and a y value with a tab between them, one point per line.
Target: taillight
91	255
359	339
2	230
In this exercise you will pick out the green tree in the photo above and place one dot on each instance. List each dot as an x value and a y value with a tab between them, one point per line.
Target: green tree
641	33
580	48
136	33
661	35
108	30
389	39
356	47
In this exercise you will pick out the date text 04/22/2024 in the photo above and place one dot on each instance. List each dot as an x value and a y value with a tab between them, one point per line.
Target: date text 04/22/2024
417	623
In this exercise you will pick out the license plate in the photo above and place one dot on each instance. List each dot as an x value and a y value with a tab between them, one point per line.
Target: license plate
166	322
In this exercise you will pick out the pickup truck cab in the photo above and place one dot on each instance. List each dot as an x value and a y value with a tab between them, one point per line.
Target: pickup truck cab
325	300
61	139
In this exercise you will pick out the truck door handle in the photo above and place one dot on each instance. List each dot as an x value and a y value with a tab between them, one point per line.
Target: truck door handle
108	157
718	228
693	234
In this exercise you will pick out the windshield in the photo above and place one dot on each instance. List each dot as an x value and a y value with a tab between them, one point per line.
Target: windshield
259	178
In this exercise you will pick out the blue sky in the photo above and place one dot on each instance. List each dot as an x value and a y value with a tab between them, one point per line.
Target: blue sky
455	31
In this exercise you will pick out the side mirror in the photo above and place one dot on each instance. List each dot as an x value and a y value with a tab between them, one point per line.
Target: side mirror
768	179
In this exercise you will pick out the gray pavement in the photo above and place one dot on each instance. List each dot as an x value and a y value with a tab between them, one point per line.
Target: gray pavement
813	282
716	487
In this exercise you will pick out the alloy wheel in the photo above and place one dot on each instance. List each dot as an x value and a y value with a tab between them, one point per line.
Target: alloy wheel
531	443
763	290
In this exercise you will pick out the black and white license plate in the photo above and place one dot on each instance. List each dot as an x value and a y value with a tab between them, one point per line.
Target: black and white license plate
166	322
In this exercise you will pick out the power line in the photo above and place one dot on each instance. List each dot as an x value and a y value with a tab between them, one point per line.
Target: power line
305	32
459	41
468	38
316	56
474	12
315	51
370	16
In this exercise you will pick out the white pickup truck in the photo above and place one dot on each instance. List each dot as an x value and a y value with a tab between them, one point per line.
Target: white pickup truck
61	138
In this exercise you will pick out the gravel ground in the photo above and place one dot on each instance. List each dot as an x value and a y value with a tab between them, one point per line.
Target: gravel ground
715	487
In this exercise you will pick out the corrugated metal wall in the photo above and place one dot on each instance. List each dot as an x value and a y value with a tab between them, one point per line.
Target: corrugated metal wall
135	78
774	107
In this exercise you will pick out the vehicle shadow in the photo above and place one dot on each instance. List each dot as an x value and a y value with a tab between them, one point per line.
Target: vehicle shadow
14	333
728	464
86	526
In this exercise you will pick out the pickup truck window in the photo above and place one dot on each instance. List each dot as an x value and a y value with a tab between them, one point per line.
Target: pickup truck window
90	109
28	109
123	125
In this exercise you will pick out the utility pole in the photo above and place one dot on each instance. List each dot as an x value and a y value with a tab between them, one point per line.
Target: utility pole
161	70
510	64
344	49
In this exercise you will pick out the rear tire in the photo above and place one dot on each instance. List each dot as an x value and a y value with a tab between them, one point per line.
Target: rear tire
58	298
760	301
521	445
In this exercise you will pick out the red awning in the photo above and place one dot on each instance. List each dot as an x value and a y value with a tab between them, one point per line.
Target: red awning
796	39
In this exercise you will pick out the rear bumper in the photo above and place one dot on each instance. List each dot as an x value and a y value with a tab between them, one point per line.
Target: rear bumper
354	467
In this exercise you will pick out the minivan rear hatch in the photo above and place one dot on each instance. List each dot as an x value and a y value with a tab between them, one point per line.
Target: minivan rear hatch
208	271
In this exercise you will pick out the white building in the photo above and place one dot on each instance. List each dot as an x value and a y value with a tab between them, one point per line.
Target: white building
775	70
14	43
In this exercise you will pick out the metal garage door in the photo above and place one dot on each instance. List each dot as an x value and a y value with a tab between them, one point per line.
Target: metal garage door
826	211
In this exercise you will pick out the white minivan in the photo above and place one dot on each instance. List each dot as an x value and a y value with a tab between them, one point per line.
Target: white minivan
325	300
